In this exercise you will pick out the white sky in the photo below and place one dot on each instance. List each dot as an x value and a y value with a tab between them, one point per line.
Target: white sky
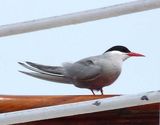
140	32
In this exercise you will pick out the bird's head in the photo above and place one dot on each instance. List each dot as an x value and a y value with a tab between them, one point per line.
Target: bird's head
122	52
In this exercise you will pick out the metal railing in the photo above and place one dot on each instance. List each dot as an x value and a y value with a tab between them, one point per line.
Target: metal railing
79	17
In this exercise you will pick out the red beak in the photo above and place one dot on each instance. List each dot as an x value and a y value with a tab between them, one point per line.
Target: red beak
135	54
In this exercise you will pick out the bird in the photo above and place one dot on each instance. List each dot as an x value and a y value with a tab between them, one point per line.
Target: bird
93	73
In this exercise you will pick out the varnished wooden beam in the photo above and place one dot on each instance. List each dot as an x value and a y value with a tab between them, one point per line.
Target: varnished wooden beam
10	103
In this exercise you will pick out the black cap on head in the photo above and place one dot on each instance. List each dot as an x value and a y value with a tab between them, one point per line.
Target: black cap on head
119	48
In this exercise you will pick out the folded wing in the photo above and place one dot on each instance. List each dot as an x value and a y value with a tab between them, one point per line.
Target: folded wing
50	73
84	70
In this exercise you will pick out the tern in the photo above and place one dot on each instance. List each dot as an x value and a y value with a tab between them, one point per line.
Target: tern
92	73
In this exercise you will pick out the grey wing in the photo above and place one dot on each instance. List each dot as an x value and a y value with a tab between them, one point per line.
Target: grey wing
47	77
50	73
51	70
83	70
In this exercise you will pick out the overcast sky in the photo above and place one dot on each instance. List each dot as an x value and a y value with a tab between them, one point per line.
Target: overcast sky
140	32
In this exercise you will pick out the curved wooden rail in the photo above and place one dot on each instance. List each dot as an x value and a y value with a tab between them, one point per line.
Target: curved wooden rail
142	115
10	103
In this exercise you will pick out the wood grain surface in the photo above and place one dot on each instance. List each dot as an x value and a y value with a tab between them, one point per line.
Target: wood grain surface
139	115
15	103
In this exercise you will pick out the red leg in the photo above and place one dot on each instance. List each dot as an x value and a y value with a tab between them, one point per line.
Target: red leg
101	91
92	92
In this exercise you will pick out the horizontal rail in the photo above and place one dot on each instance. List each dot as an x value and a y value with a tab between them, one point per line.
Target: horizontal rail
84	107
79	17
10	103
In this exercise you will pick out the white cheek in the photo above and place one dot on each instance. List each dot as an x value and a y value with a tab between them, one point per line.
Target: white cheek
125	56
117	55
